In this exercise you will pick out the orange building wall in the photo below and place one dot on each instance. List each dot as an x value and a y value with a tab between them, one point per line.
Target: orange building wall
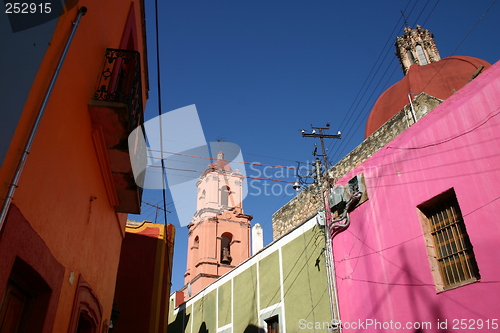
216	218
204	266
61	191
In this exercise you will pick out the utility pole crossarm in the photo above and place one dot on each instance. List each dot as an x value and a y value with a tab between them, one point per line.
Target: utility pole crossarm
321	136
330	136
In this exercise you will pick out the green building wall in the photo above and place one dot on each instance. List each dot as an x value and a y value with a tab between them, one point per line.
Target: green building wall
225	304
287	278
305	282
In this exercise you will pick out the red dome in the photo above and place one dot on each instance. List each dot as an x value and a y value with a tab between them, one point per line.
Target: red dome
437	79
220	164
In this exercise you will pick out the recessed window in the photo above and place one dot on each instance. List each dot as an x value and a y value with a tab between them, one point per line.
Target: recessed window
410	57
450	250
85	324
421	55
224	196
273	324
225	255
195	249
24	305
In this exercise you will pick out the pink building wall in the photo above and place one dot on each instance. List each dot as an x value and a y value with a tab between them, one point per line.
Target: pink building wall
382	266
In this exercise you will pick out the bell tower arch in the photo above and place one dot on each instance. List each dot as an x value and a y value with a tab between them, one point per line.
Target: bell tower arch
219	233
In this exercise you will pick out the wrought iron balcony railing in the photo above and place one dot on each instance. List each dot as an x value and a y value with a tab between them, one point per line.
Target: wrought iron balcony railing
120	82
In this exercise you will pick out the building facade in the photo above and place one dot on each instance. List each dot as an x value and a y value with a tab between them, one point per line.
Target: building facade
219	234
416	251
408	222
282	288
75	85
419	251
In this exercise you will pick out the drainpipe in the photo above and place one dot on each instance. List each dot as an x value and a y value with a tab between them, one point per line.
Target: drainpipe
412	109
22	160
332	279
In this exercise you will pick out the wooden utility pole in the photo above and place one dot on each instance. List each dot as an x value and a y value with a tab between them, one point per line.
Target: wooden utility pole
321	136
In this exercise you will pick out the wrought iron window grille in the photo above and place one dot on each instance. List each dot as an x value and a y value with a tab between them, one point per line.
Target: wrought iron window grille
120	82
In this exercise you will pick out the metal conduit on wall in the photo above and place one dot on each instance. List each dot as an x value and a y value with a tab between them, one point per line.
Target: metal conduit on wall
22	160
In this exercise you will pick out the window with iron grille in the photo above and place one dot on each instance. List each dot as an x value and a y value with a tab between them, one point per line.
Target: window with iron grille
448	242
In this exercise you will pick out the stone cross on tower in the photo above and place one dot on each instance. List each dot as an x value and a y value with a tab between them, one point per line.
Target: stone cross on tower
219	234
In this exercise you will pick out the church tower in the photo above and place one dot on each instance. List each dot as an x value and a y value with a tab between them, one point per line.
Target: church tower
425	72
416	46
219	234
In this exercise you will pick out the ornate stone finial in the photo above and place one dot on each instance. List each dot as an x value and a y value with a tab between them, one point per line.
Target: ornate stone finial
416	46
220	155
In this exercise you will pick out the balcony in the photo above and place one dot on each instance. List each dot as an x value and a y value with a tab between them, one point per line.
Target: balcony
116	109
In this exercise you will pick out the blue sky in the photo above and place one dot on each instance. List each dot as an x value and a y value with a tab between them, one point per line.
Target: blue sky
259	71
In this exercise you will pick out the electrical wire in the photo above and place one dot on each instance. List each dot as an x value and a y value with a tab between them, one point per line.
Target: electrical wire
391	283
459	44
291	270
432	11
385	51
421	12
215	159
344	143
363	113
492	114
155	206
202	172
375	188
158	68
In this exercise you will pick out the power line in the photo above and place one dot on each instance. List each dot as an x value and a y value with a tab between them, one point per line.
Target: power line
202	172
459	44
364	110
158	68
363	114
386	49
214	159
492	114
155	206
349	138
432	11
356	102
416	20
321	136
376	186
379	251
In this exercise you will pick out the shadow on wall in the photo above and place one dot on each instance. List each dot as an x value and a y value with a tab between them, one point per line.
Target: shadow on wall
180	322
405	281
253	329
248	329
203	328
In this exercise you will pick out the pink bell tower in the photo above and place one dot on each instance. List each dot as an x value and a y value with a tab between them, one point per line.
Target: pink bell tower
219	234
